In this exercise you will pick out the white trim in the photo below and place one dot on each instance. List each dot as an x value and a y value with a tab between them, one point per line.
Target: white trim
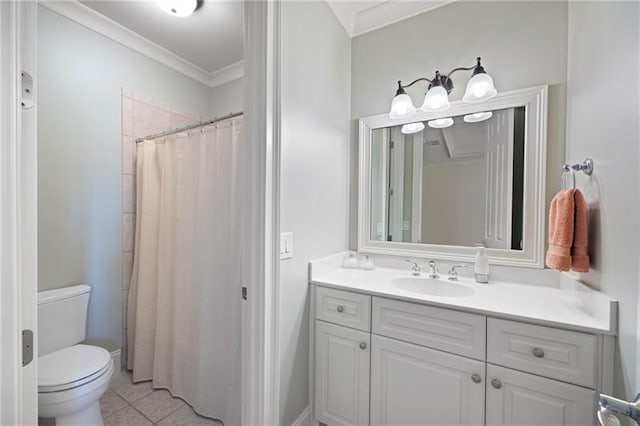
226	75
18	221
532	255
304	419
260	357
89	18
357	22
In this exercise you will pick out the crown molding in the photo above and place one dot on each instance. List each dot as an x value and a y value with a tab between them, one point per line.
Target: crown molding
89	18
386	12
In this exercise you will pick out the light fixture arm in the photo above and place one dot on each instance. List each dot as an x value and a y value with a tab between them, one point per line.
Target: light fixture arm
444	79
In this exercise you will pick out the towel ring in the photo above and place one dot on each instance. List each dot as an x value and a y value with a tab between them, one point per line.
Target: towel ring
573	177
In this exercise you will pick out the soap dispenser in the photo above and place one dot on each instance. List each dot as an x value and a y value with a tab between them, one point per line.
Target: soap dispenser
350	262
481	266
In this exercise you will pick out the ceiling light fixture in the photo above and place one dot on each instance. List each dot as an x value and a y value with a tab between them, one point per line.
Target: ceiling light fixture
479	88
441	123
179	8
477	117
410	128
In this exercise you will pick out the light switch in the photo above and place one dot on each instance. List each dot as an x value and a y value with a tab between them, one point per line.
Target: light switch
286	245
406	225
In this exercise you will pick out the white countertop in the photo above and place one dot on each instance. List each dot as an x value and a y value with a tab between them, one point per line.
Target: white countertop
566	303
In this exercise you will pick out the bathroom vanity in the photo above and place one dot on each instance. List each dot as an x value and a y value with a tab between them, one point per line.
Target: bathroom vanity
390	348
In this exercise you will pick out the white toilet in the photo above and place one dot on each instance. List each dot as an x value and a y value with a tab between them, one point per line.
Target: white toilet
71	377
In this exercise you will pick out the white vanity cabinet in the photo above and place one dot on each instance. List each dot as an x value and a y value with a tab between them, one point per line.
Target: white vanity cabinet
414	385
382	361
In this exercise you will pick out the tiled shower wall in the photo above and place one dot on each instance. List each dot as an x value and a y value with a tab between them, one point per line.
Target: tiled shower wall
141	116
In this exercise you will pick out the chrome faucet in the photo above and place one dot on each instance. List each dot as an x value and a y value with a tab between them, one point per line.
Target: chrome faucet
415	269
453	272
433	270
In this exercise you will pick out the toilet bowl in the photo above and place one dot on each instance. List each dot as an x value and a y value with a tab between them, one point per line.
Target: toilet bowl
71	376
71	382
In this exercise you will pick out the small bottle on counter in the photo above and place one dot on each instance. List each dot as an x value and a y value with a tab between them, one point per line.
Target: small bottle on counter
350	262
367	264
481	266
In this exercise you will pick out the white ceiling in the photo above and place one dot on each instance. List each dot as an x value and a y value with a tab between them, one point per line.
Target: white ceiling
361	16
211	38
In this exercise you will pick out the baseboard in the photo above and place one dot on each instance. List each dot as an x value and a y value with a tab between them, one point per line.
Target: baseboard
116	356
304	419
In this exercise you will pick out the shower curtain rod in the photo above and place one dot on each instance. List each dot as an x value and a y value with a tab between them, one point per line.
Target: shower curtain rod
191	126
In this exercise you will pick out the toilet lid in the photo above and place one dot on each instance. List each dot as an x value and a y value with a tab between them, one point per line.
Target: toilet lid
72	366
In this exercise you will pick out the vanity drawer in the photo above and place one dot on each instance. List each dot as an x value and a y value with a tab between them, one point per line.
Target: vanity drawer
451	331
344	308
558	354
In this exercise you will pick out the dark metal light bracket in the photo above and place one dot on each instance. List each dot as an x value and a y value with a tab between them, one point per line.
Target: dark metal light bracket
443	80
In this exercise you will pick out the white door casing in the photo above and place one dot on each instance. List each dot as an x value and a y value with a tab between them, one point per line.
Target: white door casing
18	220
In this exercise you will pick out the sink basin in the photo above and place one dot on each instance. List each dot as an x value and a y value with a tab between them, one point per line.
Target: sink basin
432	287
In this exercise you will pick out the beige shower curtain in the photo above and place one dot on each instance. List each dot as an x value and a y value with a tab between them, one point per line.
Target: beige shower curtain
183	321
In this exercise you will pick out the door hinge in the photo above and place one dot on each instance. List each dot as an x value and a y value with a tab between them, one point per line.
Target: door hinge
244	293
390	191
27	347
27	91
392	144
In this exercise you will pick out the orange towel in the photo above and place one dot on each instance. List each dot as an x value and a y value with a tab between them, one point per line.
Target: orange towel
561	224
579	256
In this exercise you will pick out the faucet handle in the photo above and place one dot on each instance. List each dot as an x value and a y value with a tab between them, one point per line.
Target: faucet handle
453	272
415	268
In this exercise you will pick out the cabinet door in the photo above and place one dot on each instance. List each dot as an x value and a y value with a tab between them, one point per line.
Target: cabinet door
413	385
516	398
342	375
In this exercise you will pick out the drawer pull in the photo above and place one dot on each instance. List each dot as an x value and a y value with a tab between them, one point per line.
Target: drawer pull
496	383
340	308
476	378
363	346
538	353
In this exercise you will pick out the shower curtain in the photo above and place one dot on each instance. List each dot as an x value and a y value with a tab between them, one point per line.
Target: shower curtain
183	321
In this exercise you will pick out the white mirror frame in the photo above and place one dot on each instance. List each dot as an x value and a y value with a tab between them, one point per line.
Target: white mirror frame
534	99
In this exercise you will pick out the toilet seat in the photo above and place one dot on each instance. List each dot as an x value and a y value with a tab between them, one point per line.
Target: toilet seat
72	367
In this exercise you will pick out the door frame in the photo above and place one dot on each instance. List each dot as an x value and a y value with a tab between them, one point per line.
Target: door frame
18	218
260	337
18	222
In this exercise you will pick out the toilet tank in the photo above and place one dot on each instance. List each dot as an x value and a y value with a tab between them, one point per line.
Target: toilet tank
62	317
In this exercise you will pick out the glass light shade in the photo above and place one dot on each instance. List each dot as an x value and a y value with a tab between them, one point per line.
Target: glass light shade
477	117
178	7
402	107
436	99
440	123
410	128
479	88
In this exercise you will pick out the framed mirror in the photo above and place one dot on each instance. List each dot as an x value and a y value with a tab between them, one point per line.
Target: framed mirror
436	184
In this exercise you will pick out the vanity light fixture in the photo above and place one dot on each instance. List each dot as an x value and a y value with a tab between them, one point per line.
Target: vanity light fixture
179	8
479	88
477	117
410	128
441	123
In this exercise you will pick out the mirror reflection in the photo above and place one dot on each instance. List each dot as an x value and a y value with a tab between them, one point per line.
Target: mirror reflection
456	181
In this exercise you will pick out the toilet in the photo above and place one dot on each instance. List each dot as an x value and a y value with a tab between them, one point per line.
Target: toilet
71	376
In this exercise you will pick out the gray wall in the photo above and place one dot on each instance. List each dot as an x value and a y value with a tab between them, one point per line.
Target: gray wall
315	171
80	77
227	98
522	44
602	123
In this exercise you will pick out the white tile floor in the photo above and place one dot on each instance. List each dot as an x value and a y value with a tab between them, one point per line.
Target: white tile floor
129	404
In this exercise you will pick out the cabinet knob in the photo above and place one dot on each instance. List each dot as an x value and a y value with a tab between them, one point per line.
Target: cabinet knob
496	383
538	353
476	378
363	346
340	308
